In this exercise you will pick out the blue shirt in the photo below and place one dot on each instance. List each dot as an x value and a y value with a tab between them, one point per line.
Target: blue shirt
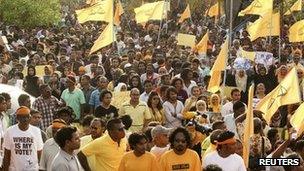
94	99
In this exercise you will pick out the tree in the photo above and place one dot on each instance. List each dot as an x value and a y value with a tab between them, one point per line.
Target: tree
30	13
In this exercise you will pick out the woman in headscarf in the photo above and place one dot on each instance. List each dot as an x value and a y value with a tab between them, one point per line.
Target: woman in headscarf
215	103
281	72
31	82
120	87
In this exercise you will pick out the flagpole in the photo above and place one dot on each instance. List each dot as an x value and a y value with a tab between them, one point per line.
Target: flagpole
113	35
270	27
167	16
229	44
161	22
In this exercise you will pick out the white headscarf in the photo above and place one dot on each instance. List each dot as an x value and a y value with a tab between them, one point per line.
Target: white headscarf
119	86
241	82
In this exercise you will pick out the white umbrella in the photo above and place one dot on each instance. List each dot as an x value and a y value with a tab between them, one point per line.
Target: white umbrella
14	92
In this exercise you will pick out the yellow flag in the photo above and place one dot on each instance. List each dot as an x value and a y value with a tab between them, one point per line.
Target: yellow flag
214	10
201	47
186	40
297	119
297	6
218	66
118	12
101	11
267	25
186	14
105	38
248	127
258	7
296	32
248	55
150	11
287	92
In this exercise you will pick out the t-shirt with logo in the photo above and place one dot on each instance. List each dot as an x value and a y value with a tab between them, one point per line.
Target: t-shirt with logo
189	161
23	146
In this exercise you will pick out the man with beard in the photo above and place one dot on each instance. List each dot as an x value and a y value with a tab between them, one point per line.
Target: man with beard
225	156
180	157
68	140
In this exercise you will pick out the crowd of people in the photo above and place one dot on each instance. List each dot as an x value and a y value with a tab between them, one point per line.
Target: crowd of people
141	103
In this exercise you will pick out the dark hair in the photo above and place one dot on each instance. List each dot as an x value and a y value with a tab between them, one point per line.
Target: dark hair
103	94
31	67
112	122
42	87
147	82
22	98
86	121
135	138
237	105
234	90
174	80
93	57
2	99
149	103
33	111
6	96
271	134
87	77
184	73
224	136
170	89
257	125
180	130
217	124
102	122
127	121
299	145
148	133
212	167
64	134
64	110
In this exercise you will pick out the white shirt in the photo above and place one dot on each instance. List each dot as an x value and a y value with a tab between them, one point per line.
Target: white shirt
230	123
171	121
49	151
144	97
227	109
188	89
233	162
23	146
159	151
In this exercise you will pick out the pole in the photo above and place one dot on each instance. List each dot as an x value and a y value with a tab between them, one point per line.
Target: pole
229	43
270	28
161	23
167	24
114	29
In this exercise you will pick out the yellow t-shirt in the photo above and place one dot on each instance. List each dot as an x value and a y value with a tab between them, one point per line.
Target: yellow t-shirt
138	114
189	161
146	162
108	153
83	142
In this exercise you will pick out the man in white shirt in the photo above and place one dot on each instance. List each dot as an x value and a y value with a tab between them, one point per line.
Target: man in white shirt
161	141
228	107
225	156
50	148
239	108
22	143
148	88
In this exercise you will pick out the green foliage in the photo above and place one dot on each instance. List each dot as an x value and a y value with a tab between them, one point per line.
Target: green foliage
30	13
